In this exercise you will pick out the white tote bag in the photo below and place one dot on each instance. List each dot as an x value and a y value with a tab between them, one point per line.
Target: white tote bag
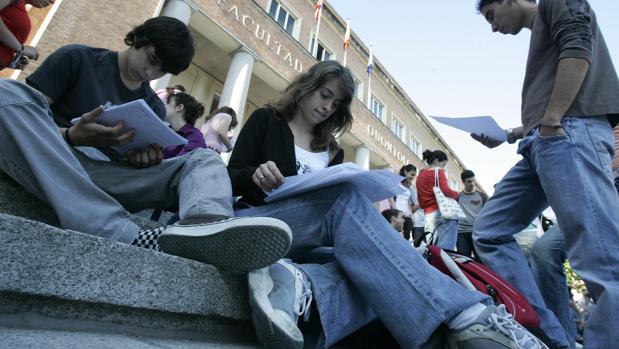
450	208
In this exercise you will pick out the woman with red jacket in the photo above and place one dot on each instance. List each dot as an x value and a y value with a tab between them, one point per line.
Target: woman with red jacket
14	30
443	231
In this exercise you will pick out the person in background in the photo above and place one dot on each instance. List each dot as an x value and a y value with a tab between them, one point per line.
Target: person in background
395	217
217	129
14	30
403	201
471	200
443	231
182	111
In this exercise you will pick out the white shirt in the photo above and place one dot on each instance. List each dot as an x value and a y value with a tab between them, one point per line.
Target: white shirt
403	201
308	161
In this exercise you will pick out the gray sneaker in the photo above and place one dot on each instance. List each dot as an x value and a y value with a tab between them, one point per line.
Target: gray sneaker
279	295
240	244
494	328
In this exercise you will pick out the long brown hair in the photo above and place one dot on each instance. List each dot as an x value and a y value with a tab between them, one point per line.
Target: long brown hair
325	133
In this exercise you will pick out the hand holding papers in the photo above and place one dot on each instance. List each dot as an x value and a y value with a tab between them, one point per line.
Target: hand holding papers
137	115
376	185
477	125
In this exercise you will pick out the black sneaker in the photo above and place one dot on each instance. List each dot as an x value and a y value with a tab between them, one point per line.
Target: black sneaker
239	244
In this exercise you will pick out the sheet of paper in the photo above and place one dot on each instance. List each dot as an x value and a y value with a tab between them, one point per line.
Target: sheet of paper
376	184
476	124
149	129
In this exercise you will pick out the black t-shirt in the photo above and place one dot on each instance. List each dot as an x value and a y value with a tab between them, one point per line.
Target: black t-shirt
79	78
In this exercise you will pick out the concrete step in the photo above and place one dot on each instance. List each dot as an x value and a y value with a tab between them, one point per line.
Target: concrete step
58	275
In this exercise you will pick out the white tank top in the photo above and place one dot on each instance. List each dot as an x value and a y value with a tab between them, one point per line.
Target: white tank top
308	161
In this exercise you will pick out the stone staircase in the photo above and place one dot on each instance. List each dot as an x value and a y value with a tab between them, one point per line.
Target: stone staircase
64	289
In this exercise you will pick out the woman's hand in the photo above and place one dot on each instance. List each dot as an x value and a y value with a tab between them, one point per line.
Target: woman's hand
30	52
267	176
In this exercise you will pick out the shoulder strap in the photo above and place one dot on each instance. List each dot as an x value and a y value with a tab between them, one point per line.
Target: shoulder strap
436	177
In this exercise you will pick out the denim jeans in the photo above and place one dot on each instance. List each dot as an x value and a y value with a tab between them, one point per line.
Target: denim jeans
572	174
547	257
444	232
93	196
375	272
465	245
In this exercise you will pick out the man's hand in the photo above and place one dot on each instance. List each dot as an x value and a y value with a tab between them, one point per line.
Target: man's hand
143	158
488	142
87	132
551	131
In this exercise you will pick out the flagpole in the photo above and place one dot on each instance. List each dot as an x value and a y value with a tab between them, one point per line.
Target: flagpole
315	48
347	39
370	61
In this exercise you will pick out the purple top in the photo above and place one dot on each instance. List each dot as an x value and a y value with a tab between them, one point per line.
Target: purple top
193	135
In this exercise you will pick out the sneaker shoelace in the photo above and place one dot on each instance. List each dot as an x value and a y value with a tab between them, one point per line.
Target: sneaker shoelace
506	325
303	304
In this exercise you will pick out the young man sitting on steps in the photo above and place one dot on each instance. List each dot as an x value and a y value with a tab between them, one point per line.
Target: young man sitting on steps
91	189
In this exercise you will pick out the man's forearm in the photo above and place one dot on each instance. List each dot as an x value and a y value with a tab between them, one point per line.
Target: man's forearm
571	73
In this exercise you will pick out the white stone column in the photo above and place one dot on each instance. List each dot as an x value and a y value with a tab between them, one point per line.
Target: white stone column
362	157
180	10
236	86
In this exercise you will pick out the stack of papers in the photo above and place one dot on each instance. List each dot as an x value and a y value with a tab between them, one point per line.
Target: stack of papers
149	129
377	185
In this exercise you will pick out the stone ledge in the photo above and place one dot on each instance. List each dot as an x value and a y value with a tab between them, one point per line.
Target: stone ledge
38	260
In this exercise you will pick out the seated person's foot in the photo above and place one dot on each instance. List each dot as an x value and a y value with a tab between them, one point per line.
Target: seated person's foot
229	243
493	328
278	295
148	239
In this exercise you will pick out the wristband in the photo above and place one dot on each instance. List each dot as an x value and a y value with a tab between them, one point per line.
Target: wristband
511	137
66	136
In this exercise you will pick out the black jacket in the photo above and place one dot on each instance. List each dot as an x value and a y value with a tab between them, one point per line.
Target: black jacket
264	137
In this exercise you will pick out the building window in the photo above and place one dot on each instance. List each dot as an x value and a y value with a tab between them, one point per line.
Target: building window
359	89
322	54
282	17
377	108
415	147
397	128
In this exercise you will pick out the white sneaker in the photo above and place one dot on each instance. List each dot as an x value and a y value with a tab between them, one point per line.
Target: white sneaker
279	295
493	328
240	244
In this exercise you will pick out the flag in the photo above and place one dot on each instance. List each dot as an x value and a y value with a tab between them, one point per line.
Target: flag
370	61
347	35
318	6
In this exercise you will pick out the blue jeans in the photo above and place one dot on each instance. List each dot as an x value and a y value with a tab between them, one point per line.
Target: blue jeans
547	257
572	174
375	272
444	231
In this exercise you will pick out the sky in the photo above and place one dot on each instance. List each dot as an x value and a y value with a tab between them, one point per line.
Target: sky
450	63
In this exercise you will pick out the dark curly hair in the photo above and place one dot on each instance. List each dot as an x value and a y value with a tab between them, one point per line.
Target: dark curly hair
171	39
193	109
429	156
